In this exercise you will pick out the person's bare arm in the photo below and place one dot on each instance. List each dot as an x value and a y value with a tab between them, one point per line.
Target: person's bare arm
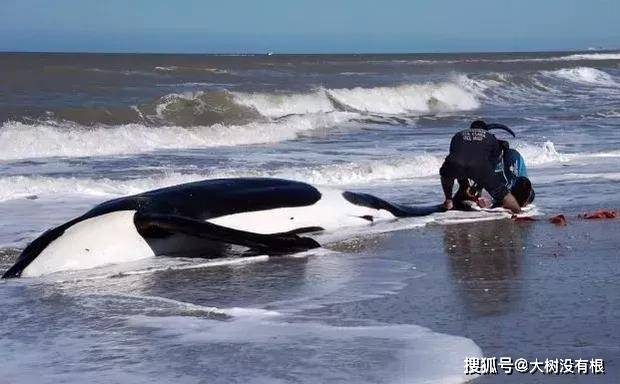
447	184
509	202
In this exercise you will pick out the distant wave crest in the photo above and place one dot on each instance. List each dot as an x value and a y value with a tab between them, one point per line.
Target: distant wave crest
584	75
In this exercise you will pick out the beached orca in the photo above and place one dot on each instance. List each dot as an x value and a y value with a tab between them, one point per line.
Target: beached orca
262	215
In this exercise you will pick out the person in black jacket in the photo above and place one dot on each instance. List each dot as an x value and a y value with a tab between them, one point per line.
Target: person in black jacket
477	155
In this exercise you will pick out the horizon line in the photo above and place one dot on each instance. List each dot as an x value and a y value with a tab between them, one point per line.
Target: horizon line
271	53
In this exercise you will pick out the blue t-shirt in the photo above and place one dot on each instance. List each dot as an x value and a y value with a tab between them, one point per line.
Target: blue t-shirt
514	166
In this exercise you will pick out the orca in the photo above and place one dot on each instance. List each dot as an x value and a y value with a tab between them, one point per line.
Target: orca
260	215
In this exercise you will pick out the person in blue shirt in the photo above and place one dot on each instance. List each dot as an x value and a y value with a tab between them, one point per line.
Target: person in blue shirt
515	172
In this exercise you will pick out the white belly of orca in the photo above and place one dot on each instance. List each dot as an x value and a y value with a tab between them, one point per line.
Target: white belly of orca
105	239
331	212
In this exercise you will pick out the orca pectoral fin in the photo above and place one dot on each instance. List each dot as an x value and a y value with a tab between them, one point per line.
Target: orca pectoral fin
160	224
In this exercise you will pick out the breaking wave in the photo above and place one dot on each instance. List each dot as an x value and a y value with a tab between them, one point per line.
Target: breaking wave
548	87
403	99
572	57
584	75
411	98
208	107
21	141
535	155
592	56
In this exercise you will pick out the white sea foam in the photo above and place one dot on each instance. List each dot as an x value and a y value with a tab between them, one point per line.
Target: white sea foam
404	99
535	155
592	56
584	75
170	99
417	353
351	173
573	57
13	187
340	174
407	99
504	89
278	105
368	171
167	68
21	141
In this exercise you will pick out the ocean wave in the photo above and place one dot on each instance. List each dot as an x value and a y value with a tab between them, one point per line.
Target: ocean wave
15	187
592	56
175	68
535	155
277	105
544	86
207	107
408	98
419	167
221	118
404	99
352	173
458	93
200	108
572	57
167	68
21	141
506	88
583	75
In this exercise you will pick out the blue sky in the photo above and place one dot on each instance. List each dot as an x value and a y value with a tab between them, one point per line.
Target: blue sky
297	26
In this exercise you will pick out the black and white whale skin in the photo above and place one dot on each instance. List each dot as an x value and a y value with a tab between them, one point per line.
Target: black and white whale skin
262	214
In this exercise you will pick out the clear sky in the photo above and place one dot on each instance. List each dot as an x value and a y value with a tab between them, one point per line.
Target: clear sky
296	26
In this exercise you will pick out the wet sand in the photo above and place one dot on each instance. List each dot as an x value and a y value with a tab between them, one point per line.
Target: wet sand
529	289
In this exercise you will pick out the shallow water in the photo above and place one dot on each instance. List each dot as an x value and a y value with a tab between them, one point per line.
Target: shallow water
80	129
